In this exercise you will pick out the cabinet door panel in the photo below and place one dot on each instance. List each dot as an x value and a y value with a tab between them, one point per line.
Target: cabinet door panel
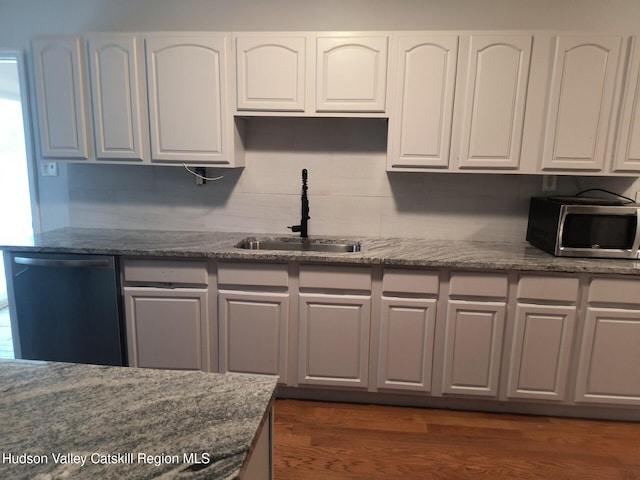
628	144
60	98
167	328
473	347
406	344
495	97
351	74
541	351
253	333
334	339
609	366
580	102
421	135
187	88
270	73
116	98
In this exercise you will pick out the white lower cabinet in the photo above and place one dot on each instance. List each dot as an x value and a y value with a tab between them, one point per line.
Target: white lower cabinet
334	321
609	364
406	331
406	344
334	339
167	313
253	332
568	339
167	328
473	347
543	333
541	351
253	318
474	328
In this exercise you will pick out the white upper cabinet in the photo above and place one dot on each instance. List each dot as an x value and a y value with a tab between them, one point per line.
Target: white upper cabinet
628	140
186	77
495	93
314	74
460	97
581	102
351	74
271	73
117	82
420	129
60	98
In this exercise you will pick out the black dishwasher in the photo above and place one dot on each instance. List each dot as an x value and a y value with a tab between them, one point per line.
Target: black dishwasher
67	308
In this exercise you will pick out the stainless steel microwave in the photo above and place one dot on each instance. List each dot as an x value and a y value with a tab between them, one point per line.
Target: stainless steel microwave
584	227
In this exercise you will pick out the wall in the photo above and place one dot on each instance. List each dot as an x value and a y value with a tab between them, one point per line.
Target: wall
350	192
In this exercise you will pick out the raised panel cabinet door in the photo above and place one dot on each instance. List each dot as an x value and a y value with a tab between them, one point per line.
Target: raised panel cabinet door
628	141
421	132
351	74
62	120
253	333
473	347
494	101
541	351
270	73
167	328
333	345
581	101
609	365
186	79
406	344
116	82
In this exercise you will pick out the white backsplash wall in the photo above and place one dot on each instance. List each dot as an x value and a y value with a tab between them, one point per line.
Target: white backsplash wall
350	192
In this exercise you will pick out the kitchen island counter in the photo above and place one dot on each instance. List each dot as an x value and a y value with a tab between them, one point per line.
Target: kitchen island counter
63	420
411	252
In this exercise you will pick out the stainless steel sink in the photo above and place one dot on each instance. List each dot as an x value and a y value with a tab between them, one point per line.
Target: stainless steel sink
298	244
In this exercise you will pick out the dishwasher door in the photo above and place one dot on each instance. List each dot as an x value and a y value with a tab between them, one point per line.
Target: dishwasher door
68	308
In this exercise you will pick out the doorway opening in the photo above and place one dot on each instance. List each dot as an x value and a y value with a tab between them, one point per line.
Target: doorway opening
17	179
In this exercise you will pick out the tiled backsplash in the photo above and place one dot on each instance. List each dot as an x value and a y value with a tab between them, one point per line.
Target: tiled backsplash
350	192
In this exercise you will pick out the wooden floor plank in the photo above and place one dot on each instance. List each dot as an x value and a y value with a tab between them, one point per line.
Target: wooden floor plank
335	441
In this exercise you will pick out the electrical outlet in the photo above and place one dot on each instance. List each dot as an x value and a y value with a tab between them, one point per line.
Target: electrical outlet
549	183
201	173
49	169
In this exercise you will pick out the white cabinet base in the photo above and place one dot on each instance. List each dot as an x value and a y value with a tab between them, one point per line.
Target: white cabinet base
406	344
334	340
473	347
609	367
254	332
167	328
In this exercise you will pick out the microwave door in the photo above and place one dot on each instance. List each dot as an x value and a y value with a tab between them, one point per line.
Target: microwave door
599	231
635	249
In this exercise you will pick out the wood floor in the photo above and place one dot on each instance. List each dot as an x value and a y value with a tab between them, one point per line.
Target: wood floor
327	441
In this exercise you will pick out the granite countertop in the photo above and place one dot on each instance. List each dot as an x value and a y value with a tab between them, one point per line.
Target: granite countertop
375	250
127	422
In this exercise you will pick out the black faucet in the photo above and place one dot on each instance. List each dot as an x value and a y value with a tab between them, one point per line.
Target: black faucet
302	228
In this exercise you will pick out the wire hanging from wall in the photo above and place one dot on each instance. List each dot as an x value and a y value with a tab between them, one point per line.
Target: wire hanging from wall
201	177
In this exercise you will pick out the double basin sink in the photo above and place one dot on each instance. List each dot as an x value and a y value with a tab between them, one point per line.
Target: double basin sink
298	244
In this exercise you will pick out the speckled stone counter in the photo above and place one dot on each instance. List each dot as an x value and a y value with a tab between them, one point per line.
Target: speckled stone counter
127	422
375	251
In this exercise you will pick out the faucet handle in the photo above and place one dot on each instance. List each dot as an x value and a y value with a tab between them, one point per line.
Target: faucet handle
295	228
